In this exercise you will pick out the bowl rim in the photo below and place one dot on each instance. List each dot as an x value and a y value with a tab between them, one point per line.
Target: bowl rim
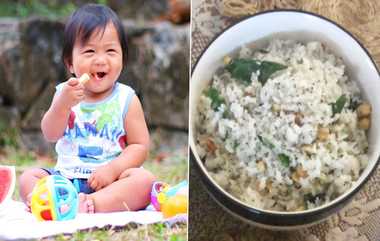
344	198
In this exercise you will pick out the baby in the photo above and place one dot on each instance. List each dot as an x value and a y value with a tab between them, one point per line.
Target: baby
99	126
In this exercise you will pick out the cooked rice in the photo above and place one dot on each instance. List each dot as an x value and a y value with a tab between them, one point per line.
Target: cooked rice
228	137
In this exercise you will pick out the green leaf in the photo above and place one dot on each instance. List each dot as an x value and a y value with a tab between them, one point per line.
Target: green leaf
267	69
337	107
242	69
284	159
216	99
266	142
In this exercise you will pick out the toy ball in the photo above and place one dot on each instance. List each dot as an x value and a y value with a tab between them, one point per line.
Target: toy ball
54	198
174	205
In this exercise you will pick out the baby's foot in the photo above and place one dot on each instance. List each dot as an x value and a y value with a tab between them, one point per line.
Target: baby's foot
86	204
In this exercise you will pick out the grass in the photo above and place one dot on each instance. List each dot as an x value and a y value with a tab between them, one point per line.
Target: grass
170	173
171	170
159	232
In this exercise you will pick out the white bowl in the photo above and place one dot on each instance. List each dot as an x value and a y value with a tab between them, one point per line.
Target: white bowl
302	26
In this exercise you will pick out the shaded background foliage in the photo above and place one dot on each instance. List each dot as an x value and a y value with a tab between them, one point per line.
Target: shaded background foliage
144	9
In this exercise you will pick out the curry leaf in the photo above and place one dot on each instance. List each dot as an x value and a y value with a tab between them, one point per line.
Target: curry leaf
267	69
242	69
216	99
284	159
337	107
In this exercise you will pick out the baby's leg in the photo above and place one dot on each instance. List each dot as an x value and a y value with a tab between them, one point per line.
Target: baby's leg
27	181
130	192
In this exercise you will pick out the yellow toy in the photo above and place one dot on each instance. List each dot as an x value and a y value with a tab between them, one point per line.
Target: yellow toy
54	198
170	200
174	205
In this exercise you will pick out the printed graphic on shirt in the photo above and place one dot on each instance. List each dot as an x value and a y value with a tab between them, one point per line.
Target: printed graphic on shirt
96	131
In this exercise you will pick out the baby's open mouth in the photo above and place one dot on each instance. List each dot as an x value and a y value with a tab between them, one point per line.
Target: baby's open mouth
99	75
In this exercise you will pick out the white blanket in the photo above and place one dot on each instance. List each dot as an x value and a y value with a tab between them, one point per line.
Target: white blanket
17	223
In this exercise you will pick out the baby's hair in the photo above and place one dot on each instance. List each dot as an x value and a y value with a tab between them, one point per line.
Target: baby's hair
84	22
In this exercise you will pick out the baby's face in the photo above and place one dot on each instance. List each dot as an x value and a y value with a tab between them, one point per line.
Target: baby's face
102	58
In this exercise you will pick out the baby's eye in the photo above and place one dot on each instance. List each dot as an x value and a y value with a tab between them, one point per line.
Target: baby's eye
89	51
111	50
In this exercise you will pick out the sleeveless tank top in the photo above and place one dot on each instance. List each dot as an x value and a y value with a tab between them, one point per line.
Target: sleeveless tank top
95	133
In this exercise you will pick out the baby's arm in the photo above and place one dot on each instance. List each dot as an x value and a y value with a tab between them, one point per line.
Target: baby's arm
54	122
137	149
133	155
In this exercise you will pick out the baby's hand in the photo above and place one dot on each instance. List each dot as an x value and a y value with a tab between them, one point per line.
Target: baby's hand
72	93
102	177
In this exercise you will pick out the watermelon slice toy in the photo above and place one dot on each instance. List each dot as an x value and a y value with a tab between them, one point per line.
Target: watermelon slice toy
7	182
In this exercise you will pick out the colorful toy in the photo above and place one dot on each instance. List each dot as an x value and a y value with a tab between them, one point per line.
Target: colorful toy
174	205
169	200
54	198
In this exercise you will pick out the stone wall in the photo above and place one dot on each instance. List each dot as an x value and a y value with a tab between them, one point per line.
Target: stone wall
30	68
